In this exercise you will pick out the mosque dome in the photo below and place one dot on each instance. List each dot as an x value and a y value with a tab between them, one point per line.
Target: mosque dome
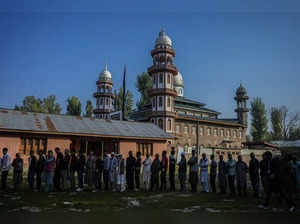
105	74
163	39
178	80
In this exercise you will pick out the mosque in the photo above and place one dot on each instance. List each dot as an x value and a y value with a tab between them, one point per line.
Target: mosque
191	124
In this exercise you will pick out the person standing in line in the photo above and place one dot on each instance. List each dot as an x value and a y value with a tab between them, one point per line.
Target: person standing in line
17	164
65	171
241	176
182	172
58	168
5	167
121	173
106	170
32	165
222	172
254	174
130	165
80	170
99	172
48	171
193	176
90	170
39	170
73	169
113	171
265	172
213	173
155	168
231	168
137	170
172	168
203	164
147	172
164	170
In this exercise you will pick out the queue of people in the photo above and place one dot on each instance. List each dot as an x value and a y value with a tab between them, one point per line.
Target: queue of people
114	173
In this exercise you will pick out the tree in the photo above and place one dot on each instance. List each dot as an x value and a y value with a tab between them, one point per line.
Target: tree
119	100
259	120
143	84
73	106
294	133
89	108
50	105
290	121
276	124
31	104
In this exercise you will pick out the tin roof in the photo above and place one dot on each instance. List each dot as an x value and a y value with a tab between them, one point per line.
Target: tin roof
54	124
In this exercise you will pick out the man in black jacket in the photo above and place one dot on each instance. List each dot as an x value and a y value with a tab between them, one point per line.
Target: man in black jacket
73	169
32	163
58	169
137	170
18	171
254	174
182	172
65	170
172	166
130	165
39	170
81	167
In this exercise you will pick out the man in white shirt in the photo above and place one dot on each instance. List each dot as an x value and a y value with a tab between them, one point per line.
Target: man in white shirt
5	166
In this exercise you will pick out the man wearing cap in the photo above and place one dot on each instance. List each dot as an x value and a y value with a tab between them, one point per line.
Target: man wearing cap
113	171
182	172
193	163
147	172
203	164
121	173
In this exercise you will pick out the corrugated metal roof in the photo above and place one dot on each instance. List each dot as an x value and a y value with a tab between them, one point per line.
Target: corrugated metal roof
28	121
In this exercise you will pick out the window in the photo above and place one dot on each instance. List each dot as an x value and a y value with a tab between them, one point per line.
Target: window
194	130
106	101
169	125
160	78
215	132
101	101
241	134
169	102
201	131
208	131
177	128
169	79
154	102
160	123
234	134
222	132
186	129
228	133
145	148
160	101
154	79
186	148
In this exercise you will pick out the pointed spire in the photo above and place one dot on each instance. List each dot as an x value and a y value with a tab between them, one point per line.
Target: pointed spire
105	67
162	31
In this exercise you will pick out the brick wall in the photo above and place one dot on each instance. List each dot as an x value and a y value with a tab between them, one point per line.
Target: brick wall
12	143
60	142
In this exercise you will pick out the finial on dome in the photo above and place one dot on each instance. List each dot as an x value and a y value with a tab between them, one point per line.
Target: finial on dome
105	67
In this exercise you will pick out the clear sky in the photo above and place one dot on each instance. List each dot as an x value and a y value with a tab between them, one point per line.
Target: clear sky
60	47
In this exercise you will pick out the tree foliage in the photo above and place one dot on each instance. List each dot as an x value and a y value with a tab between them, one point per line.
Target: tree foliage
47	105
276	124
119	100
259	120
290	122
143	84
89	108
73	106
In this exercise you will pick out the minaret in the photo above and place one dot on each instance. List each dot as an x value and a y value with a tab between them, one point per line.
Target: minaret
162	73
178	84
241	100
104	95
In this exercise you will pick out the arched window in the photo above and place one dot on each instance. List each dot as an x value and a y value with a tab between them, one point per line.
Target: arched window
169	125
169	79
169	102
101	101
208	132
160	101
154	79
186	148
201	131
153	102
160	78
177	128
222	132
186	129
160	123
106	101
215	132
228	133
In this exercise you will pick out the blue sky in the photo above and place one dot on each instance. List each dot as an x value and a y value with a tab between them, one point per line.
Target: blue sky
60	47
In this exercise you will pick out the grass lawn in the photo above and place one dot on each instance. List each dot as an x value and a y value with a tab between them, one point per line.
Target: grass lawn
131	207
